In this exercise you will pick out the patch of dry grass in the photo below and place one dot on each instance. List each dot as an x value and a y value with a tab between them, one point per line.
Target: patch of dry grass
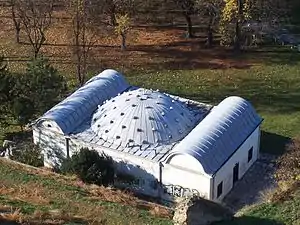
41	195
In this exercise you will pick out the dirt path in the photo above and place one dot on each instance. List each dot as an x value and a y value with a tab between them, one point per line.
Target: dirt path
249	189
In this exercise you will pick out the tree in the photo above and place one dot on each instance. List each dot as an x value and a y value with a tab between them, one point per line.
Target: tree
83	35
188	8
122	27
16	20
210	9
23	110
42	85
23	96
264	14
36	18
234	12
7	90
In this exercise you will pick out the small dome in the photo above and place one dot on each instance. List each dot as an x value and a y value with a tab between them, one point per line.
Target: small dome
143	117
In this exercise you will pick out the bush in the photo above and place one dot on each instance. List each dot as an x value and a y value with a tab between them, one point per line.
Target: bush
29	154
90	167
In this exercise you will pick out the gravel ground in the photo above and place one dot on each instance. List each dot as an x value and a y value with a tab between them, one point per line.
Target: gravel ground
258	179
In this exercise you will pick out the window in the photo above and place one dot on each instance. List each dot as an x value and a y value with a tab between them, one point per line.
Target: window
220	189
250	154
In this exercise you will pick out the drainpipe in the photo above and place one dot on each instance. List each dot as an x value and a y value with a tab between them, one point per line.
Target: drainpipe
160	181
212	193
68	146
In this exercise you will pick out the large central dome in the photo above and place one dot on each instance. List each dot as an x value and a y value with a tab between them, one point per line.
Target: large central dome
143	118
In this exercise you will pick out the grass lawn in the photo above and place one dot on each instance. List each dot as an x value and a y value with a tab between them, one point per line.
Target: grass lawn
274	90
44	197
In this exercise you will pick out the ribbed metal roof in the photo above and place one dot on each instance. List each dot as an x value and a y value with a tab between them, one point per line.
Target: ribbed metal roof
143	118
219	134
80	105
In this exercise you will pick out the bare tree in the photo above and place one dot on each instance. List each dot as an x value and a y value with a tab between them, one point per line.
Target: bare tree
188	8
16	20
35	16
210	11
83	36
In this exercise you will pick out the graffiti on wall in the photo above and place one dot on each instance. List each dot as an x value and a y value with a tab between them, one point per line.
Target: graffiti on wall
179	191
170	189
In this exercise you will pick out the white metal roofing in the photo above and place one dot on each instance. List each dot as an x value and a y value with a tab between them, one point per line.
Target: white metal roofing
219	134
71	112
107	111
143	118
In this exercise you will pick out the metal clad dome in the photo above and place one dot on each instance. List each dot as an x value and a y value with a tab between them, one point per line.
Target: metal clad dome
142	118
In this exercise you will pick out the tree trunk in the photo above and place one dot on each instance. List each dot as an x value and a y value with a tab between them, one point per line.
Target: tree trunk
209	42
123	44
237	38
189	26
18	29
36	52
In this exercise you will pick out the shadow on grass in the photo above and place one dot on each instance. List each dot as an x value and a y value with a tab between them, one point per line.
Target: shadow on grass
248	220
273	143
7	222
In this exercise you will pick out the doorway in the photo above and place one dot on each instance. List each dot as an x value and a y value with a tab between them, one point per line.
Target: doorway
235	173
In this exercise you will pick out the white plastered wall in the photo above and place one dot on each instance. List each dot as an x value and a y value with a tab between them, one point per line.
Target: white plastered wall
53	145
176	181
225	173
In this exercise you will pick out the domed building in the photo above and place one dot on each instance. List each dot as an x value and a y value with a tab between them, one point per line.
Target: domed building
173	146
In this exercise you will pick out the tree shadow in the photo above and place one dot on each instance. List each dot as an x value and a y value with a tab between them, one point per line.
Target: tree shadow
8	222
278	55
189	54
136	179
249	220
273	143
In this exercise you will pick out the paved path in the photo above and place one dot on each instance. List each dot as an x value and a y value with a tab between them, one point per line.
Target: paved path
248	190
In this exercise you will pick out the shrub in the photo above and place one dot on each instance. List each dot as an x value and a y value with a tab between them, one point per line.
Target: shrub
90	167
28	153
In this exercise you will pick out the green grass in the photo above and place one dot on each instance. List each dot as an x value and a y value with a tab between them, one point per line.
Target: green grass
274	90
32	192
284	213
